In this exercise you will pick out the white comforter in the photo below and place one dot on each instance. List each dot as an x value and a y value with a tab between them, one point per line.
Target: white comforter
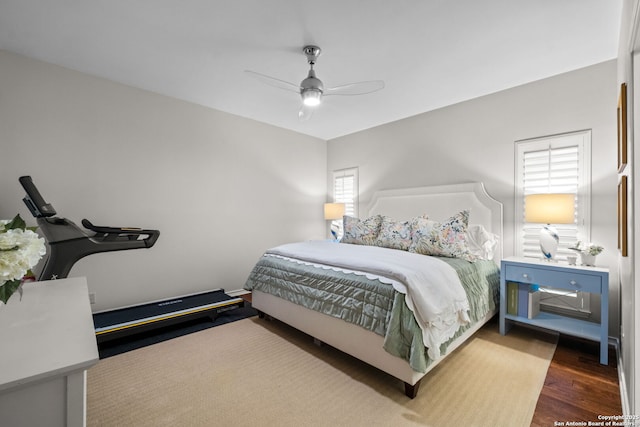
432	289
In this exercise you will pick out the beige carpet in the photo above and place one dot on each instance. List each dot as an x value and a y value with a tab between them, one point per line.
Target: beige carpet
259	373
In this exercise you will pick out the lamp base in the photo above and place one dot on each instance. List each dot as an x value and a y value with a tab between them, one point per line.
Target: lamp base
549	242
336	231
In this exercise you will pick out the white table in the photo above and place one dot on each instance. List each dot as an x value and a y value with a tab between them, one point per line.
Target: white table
47	342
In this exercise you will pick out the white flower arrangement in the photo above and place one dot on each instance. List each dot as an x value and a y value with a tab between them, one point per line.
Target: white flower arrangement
20	250
588	249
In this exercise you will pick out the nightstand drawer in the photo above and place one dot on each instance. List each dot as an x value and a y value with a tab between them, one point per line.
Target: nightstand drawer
554	279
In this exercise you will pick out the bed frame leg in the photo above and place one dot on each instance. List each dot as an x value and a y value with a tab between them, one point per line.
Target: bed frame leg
265	316
411	391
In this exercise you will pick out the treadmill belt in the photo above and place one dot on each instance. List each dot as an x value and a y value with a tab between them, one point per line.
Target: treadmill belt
129	314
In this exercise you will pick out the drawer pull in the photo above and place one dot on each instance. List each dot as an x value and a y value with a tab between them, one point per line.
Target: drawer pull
573	283
525	275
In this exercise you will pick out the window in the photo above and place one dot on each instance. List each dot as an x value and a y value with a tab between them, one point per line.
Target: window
345	189
554	164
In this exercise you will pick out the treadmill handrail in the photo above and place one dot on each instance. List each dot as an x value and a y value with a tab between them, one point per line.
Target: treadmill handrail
149	241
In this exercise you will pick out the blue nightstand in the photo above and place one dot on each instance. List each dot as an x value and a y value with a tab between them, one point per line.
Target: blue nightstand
561	276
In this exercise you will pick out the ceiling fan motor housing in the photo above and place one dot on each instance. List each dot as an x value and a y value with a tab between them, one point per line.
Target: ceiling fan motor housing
312	82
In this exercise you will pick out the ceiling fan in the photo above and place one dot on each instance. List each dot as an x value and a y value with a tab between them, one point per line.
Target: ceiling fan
312	90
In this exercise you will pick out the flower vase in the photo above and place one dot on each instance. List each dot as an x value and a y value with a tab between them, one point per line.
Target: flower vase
587	259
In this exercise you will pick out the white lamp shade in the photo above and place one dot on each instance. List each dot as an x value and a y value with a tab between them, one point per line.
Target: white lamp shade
556	208
333	211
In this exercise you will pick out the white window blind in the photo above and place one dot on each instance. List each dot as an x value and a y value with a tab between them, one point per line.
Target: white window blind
551	170
345	190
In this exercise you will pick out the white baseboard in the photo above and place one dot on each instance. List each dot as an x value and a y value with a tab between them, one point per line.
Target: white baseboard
624	395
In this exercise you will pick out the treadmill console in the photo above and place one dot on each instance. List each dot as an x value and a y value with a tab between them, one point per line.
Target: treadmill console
34	201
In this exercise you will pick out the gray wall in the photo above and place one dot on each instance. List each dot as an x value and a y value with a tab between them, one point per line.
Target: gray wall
474	141
220	188
629	72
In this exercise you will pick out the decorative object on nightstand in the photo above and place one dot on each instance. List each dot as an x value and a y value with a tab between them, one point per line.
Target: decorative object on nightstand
519	277
332	212
556	208
587	252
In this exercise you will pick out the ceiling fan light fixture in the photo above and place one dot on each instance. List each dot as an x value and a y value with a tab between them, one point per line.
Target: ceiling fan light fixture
311	97
312	90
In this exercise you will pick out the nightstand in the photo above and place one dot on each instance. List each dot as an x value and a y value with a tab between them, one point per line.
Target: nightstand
528	271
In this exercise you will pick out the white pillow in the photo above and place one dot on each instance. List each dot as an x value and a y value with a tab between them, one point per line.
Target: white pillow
480	242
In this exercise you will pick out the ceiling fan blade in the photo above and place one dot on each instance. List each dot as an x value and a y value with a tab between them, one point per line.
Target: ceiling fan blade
305	112
359	88
272	81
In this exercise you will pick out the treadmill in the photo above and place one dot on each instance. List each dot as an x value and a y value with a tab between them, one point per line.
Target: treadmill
68	243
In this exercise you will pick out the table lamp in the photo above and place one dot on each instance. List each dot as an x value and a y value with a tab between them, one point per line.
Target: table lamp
558	208
332	212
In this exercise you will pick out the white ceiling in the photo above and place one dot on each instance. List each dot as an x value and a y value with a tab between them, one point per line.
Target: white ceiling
430	53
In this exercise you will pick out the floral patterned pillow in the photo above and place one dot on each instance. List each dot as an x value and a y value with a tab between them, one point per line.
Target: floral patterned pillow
361	232
447	239
396	234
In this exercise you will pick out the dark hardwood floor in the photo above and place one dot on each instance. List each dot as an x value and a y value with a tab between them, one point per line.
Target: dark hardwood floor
578	387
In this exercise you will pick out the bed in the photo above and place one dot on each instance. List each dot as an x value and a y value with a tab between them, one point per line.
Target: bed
316	286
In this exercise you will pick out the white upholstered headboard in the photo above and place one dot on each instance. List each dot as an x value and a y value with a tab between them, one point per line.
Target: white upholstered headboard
440	202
